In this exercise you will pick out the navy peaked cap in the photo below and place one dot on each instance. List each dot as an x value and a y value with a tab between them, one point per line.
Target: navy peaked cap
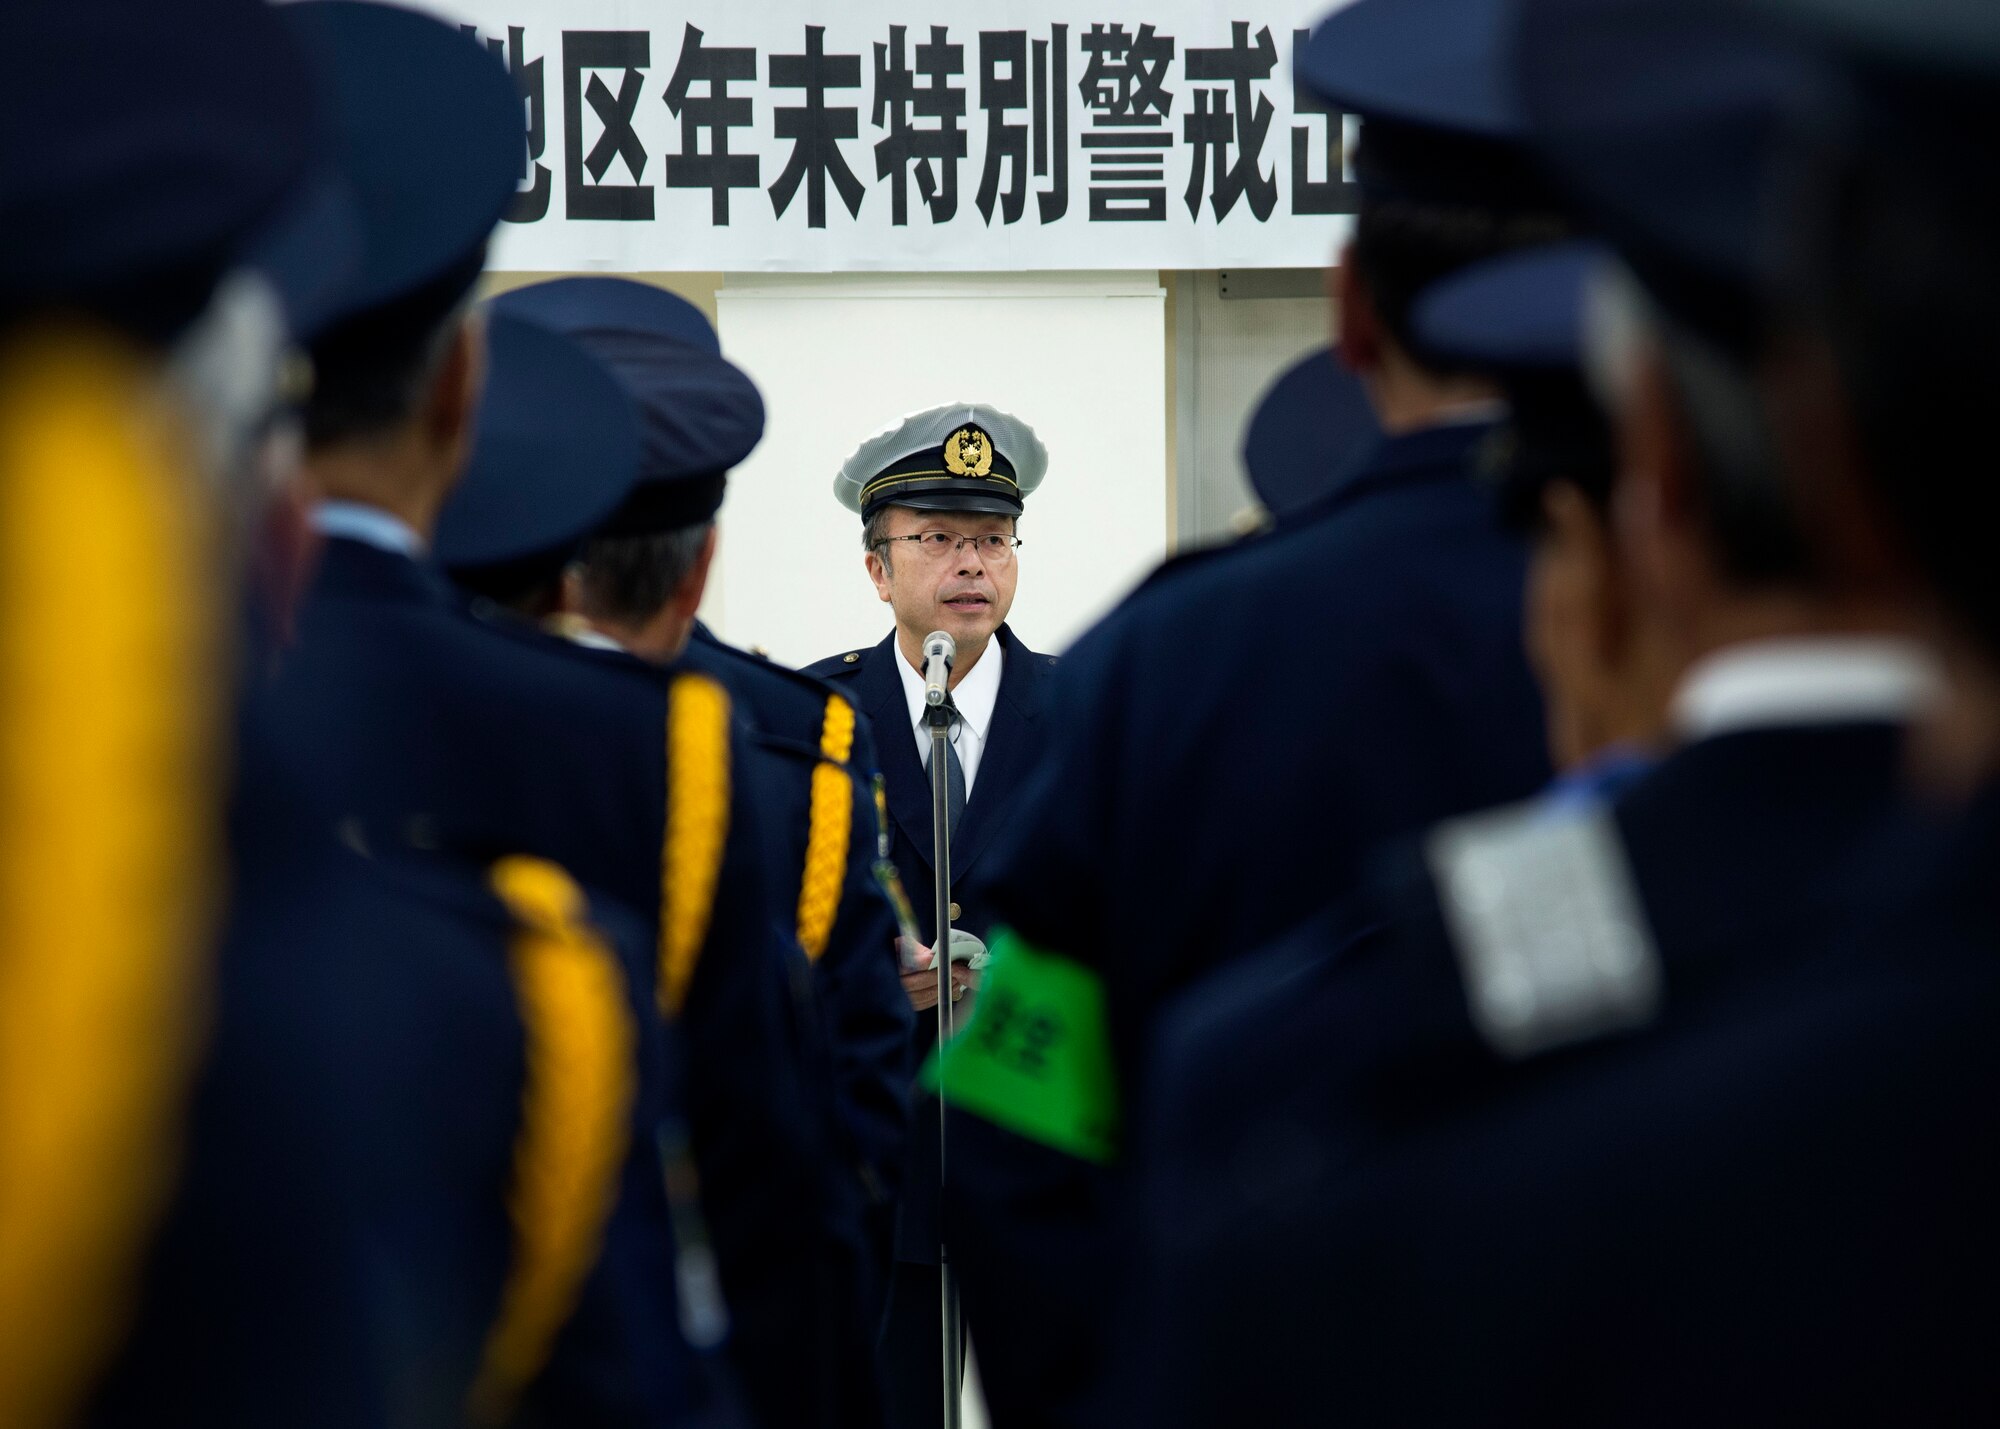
1667	123
148	148
1309	430
557	452
430	140
1520	312
590	307
699	414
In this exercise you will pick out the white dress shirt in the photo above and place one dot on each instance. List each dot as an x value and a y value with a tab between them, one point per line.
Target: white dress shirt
975	695
370	525
1831	679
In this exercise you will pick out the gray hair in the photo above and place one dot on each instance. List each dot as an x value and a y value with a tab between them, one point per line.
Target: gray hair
630	579
876	528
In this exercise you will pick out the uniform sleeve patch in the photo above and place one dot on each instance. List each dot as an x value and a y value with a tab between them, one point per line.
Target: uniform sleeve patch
1546	921
1036	1057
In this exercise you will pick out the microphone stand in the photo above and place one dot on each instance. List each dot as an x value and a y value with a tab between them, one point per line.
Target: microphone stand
940	722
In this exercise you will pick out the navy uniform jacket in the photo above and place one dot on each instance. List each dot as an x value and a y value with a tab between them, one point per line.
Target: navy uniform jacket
1761	1194
409	722
809	765
339	1249
1225	748
804	724
1015	747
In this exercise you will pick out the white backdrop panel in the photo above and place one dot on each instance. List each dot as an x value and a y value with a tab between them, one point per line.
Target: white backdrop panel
1080	360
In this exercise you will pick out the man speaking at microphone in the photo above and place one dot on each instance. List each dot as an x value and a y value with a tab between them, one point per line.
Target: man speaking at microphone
940	495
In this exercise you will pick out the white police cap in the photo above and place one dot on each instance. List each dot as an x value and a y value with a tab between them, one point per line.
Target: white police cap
959	457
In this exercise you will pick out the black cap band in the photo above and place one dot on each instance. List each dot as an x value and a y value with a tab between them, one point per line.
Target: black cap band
939	479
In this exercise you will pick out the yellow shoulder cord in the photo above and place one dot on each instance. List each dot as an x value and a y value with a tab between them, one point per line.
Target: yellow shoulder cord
697	829
829	831
576	1108
110	751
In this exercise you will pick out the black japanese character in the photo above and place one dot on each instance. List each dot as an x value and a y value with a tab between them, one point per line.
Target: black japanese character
718	112
1335	193
531	203
629	51
1052	136
1004	87
814	129
1213	131
902	100
1125	77
1124	87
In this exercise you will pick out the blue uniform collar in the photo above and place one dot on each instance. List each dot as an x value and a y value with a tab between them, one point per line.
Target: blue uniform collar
370	525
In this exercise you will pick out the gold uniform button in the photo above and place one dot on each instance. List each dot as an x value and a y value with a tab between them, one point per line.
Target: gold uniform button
851	659
955	912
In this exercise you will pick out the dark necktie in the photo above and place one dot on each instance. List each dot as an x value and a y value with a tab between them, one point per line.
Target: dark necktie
954	772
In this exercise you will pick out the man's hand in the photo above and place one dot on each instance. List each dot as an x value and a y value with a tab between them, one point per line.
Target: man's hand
920	982
921	988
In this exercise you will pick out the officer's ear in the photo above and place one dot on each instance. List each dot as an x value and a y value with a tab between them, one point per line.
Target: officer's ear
1357	328
1657	516
878	572
1821	462
686	599
451	406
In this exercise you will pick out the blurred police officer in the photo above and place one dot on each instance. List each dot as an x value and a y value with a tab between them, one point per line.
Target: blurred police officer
1610	1118
411	724
1227	745
641	558
633	585
623	1355
363	1064
940	495
139	168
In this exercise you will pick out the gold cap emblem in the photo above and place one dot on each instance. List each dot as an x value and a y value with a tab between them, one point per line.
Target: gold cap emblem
968	452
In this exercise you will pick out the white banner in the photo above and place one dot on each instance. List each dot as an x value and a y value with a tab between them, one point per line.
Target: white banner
818	136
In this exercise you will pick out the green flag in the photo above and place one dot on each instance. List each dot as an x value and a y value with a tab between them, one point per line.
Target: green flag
1036	1057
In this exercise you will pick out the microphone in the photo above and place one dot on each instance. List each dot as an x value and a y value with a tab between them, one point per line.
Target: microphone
939	651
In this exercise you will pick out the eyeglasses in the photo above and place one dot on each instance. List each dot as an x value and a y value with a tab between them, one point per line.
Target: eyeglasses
943	545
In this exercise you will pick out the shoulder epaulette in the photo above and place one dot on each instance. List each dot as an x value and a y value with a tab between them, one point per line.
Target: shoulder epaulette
1547	925
829	830
697	830
576	1107
836	666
